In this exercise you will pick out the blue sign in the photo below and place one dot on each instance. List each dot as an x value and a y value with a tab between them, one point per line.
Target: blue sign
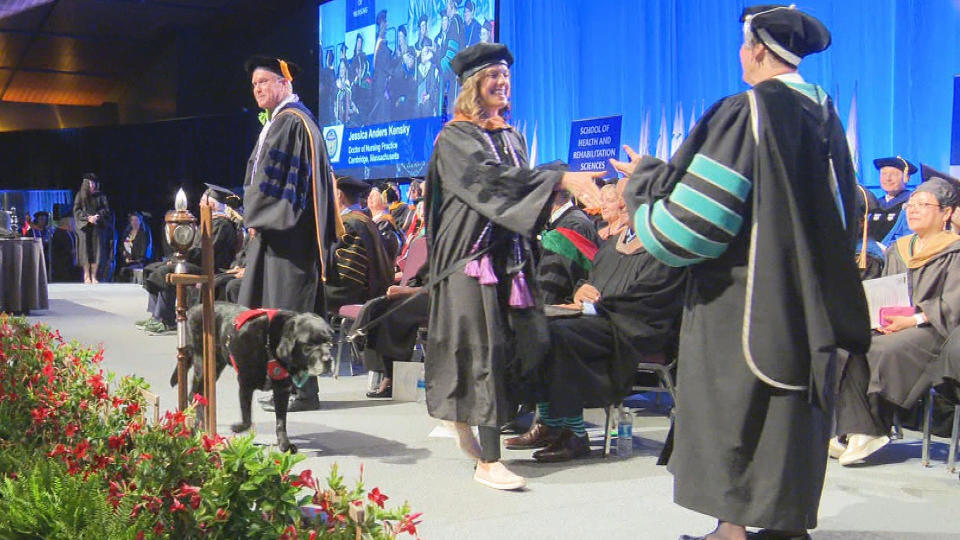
593	142
402	141
360	13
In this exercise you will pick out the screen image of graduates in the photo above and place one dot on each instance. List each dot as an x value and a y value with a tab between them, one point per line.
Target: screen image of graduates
397	68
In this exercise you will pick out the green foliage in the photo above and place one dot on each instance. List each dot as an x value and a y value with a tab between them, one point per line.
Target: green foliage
45	502
78	461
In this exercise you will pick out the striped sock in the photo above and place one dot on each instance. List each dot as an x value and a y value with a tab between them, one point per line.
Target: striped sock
575	424
543	414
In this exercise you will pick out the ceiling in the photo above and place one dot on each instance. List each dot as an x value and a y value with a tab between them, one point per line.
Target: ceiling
83	52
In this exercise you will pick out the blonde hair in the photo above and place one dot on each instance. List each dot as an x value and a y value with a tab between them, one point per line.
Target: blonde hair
469	102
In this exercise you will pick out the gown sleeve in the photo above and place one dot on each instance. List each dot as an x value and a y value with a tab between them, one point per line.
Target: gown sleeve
278	192
690	209
515	198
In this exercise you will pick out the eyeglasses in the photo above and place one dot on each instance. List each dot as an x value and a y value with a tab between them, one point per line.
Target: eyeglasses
255	84
920	205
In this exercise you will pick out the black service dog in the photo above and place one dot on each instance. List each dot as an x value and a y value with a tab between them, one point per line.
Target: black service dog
290	346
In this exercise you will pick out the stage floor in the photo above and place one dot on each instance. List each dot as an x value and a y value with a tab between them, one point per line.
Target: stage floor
591	498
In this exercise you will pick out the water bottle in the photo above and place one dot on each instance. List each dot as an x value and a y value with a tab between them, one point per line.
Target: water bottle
625	433
421	389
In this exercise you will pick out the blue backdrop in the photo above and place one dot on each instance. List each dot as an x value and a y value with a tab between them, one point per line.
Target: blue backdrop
579	59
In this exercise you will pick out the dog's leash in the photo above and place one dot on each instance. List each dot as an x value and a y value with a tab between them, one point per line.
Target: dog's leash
455	267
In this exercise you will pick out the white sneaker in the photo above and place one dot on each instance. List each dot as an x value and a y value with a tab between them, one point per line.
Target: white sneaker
497	476
859	447
836	448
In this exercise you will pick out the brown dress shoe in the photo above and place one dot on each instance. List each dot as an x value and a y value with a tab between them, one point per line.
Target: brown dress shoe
538	436
568	446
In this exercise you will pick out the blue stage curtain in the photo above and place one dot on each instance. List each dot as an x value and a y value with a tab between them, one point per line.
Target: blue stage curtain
580	59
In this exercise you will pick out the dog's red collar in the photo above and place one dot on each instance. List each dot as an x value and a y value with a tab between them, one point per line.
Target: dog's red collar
275	370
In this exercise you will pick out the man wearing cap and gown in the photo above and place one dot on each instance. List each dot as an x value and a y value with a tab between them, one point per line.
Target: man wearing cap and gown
568	243
361	270
887	222
895	371
161	302
288	200
756	204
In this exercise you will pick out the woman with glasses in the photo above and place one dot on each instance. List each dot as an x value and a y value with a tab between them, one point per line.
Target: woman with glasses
892	375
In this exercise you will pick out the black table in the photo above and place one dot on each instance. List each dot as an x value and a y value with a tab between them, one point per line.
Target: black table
23	276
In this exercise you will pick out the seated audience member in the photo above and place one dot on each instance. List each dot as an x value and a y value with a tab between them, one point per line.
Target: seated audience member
869	252
386	225
63	252
397	208
887	221
39	227
613	211
162	301
227	283
569	242
893	373
593	357
362	269
133	250
391	339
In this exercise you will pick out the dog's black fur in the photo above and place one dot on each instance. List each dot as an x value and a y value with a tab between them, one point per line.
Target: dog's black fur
299	341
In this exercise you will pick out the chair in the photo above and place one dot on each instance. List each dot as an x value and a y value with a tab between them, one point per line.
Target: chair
656	364
416	258
954	434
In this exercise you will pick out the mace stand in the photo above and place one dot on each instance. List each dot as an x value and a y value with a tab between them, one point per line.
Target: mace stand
184	355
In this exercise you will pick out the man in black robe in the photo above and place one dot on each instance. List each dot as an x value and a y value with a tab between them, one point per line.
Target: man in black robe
568	242
288	200
63	252
886	216
756	202
593	357
362	270
225	239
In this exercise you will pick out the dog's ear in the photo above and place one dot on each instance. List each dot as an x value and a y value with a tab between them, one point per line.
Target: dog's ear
288	338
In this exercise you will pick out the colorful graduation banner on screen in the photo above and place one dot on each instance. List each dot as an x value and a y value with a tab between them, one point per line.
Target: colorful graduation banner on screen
593	142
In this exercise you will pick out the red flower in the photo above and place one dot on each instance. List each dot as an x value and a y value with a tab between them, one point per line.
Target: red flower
133	409
57	450
210	442
140	535
408	523
306	479
81	449
199	400
176	505
116	402
115	442
47	356
187	489
376	497
71	429
158	528
195	501
222	514
313	535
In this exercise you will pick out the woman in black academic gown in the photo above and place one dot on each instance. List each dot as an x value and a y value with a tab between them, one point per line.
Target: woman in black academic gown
484	205
91	213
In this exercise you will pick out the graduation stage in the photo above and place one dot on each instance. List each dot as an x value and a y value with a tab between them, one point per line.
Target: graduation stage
590	498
